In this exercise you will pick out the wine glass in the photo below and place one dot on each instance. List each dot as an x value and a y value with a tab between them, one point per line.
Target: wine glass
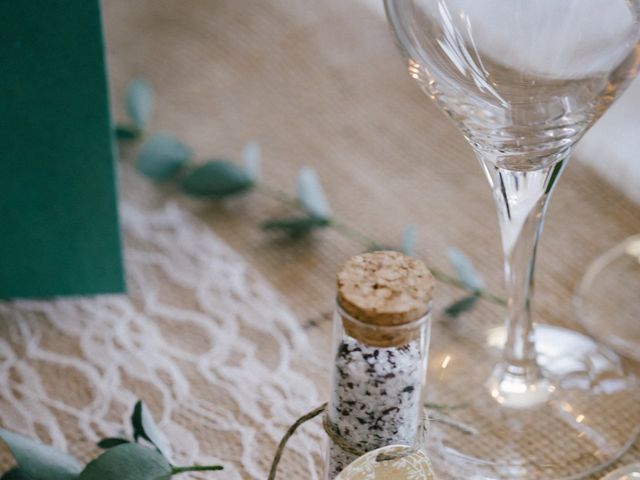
524	80
607	299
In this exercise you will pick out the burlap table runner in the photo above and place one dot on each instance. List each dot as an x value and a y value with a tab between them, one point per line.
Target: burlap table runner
321	84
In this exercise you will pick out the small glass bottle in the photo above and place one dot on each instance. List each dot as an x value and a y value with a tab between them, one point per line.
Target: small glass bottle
381	338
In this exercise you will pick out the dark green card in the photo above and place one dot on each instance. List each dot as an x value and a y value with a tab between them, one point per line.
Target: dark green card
59	230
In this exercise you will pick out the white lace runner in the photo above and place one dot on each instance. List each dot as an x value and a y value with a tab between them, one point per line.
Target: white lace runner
200	337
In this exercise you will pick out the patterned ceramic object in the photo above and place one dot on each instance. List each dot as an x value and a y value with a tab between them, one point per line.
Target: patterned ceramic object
403	464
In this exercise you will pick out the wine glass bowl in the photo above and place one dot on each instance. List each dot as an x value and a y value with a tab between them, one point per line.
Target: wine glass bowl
524	80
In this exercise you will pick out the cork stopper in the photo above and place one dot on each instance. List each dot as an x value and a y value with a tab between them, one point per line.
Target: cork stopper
384	289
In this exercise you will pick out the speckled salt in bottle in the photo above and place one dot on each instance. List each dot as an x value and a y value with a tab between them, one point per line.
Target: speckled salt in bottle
381	338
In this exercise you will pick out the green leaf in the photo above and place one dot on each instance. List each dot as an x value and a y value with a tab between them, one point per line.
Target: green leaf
161	157
145	426
112	442
458	307
197	468
251	160
139	102
15	474
136	421
295	227
465	270
128	462
311	194
38	461
127	132
409	238
217	179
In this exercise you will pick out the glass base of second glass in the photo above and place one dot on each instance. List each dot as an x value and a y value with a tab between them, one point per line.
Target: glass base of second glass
586	419
607	300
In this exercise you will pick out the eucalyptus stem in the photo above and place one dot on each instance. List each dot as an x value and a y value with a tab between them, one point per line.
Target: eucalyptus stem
446	278
289	433
277	194
453	423
444	406
196	468
139	103
353	233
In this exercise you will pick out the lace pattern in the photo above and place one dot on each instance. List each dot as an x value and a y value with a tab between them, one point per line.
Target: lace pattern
204	340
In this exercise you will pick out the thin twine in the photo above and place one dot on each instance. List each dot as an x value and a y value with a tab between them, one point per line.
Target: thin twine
349	448
338	439
290	431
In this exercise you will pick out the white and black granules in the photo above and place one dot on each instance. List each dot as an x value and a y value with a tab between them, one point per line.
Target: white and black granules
376	399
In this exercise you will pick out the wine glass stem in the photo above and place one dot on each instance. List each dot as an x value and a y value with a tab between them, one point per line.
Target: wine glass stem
521	198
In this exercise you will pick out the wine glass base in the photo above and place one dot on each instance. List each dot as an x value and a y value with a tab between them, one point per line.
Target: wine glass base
586	416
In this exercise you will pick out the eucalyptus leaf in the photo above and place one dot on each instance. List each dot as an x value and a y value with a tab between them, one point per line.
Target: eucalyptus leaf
295	227
409	238
311	195
38	461
128	462
162	156
139	101
458	307
112	442
127	132
465	270
145	426
136	421
251	159
217	179
15	474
